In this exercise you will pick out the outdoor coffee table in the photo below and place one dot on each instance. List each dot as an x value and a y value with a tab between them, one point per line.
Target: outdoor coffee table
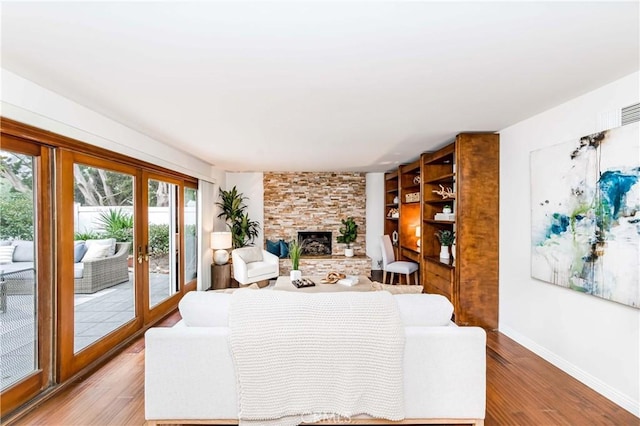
284	283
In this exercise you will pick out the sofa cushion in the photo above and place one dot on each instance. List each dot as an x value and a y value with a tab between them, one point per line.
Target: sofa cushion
78	270
110	242
24	251
273	247
284	249
429	310
96	251
205	309
79	250
397	289
255	269
250	254
6	254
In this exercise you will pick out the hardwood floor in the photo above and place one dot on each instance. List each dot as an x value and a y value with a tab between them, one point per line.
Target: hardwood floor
522	389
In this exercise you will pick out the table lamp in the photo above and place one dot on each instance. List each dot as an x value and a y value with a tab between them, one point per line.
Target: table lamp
220	242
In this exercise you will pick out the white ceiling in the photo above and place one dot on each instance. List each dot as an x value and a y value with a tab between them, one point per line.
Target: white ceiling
350	86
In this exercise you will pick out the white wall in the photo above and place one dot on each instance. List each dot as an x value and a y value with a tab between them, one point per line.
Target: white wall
251	185
375	216
594	340
27	102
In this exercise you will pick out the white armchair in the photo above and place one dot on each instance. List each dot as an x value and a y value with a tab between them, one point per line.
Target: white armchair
251	264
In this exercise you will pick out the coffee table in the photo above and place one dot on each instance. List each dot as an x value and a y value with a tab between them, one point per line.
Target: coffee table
284	283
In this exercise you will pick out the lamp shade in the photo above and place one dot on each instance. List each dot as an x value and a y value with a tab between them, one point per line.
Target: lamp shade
418	231
221	240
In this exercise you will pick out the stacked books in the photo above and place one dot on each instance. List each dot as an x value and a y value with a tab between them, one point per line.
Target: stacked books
446	216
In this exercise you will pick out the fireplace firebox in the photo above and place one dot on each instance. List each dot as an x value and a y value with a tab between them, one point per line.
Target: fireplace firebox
315	243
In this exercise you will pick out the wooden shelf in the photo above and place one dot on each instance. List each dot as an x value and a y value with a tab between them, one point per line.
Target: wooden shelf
389	191
411	202
440	222
392	205
448	178
415	187
449	263
391	218
440	201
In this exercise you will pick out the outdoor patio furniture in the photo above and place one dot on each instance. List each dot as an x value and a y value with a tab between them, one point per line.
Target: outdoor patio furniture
102	273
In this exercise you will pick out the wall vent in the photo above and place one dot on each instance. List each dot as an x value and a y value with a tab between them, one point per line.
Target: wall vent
631	114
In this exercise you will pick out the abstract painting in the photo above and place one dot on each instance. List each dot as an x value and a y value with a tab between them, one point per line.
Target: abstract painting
585	214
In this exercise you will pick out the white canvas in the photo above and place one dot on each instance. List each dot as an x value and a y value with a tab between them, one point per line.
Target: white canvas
585	214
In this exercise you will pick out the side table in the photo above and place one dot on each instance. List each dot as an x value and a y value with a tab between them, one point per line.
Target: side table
220	276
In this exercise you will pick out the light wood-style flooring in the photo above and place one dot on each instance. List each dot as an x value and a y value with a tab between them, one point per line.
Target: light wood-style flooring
522	389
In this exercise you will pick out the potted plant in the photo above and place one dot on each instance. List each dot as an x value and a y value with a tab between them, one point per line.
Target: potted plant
348	234
295	250
243	230
446	238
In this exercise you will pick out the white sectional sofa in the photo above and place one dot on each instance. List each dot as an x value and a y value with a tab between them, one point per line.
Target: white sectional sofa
190	376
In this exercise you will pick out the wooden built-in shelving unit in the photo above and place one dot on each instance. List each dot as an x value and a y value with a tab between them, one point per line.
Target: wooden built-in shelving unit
469	278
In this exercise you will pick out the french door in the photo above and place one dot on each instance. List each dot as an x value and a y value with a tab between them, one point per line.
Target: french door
95	246
26	281
121	263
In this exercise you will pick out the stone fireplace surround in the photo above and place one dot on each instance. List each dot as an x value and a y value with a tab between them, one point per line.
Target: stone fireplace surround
317	202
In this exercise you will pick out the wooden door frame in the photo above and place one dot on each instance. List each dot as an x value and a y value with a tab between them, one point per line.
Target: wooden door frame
71	362
41	378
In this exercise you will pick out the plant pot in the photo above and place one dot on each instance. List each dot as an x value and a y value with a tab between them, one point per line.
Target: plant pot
348	252
444	252
296	274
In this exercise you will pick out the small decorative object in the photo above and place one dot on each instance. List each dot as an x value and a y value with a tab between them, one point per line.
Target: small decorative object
445	192
395	200
446	238
393	213
348	234
303	282
220	242
295	250
412	197
333	277
416	180
446	209
394	238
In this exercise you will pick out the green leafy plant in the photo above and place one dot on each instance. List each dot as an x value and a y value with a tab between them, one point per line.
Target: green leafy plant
86	235
243	230
348	232
295	250
16	216
446	237
158	239
117	224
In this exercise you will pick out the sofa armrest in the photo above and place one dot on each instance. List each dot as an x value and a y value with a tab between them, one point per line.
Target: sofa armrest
447	372
270	258
239	268
189	374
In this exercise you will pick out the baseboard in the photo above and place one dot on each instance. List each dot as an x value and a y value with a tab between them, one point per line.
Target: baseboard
594	383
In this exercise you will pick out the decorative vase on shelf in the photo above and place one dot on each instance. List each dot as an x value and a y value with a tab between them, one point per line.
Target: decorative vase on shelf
395	200
444	252
295	274
446	209
348	252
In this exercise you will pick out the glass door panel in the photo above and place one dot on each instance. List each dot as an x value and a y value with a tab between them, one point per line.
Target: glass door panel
18	266
104	279
190	234
161	250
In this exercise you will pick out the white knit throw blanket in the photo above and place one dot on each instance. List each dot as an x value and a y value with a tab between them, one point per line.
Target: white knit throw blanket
306	357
